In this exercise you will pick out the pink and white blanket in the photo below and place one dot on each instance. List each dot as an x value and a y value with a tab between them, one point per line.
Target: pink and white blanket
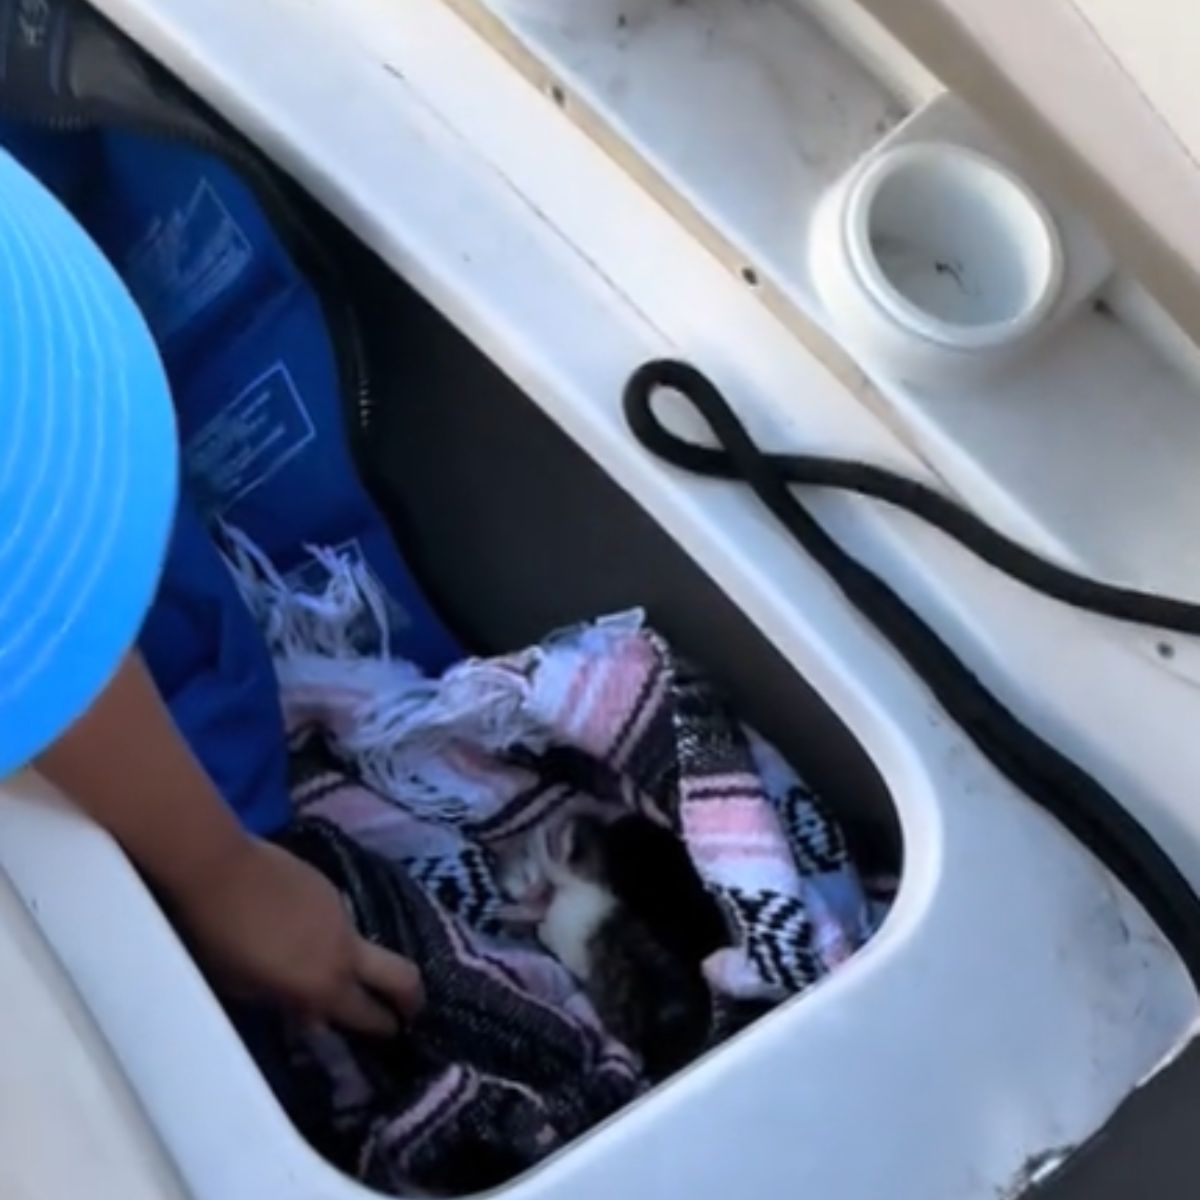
460	770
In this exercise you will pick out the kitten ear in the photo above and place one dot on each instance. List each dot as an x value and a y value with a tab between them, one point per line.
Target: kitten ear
589	845
551	848
559	840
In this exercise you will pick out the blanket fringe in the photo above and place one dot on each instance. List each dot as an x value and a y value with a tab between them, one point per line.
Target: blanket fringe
391	718
345	621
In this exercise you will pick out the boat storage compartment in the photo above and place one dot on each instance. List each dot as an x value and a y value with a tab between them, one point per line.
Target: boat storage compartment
518	270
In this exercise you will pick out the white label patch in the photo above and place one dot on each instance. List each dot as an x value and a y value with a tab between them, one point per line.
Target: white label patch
246	442
185	260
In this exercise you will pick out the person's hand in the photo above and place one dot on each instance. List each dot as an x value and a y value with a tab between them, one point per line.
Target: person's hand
264	923
269	926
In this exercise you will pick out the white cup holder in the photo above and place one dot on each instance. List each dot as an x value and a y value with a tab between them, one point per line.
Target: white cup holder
936	262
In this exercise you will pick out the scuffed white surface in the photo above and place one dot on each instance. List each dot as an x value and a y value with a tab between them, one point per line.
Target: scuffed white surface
753	114
748	107
1155	42
69	1125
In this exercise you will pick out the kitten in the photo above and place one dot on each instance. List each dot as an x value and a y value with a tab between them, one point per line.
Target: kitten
649	993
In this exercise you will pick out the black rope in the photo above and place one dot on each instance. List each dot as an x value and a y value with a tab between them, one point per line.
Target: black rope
1077	800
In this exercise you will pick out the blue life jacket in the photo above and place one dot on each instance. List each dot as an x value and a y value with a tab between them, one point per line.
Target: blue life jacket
212	667
259	403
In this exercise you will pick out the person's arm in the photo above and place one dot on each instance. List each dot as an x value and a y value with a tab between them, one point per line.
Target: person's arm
265	923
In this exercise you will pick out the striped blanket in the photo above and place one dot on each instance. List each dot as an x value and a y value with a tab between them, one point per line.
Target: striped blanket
506	1063
436	784
603	717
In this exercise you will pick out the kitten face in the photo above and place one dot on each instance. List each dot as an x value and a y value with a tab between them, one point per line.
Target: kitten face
560	855
649	993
